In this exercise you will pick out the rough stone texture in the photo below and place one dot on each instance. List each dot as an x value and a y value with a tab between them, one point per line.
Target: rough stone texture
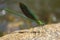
47	32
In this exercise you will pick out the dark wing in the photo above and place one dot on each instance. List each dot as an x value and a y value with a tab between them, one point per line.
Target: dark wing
26	11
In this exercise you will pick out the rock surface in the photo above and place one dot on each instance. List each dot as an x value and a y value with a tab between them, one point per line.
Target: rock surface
47	32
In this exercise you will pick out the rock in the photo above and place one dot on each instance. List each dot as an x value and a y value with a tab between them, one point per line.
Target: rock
47	32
